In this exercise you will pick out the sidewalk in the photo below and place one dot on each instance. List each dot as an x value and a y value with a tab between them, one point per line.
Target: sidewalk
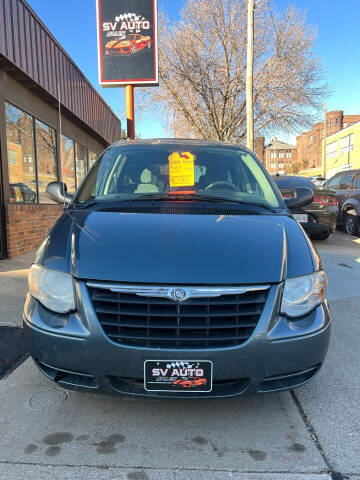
13	287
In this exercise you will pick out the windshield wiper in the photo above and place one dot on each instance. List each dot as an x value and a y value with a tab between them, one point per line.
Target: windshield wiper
181	196
176	197
198	197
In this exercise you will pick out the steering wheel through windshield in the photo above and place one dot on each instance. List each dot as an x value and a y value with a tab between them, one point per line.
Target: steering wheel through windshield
222	184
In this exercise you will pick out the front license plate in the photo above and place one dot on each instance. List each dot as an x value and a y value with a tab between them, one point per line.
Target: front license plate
178	375
302	218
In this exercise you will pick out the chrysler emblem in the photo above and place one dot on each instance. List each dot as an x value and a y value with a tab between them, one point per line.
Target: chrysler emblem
179	294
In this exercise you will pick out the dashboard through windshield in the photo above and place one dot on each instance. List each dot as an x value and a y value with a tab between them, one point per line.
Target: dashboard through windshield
125	172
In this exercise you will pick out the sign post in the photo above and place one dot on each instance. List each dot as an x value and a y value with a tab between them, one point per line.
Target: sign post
127	48
130	111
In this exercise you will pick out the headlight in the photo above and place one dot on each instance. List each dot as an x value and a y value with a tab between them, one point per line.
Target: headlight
303	294
55	290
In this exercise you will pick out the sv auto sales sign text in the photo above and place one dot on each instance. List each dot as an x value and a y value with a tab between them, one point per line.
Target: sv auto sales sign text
127	42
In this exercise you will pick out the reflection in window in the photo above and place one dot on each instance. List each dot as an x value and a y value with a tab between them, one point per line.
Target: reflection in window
92	158
80	156
46	158
68	163
20	150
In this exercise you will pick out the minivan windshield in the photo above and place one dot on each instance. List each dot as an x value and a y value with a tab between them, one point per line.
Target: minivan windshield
165	171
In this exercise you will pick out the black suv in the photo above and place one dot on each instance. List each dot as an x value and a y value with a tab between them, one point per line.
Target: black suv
346	185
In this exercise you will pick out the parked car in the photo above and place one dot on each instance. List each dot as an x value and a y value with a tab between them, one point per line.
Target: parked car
346	186
130	45
20	192
208	276
319	217
319	181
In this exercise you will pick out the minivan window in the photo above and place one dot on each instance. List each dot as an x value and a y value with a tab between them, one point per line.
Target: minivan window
132	171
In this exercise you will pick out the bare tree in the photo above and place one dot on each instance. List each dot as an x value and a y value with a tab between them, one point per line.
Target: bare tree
203	71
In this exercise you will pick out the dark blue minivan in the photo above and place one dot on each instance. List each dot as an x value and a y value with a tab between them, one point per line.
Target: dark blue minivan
177	270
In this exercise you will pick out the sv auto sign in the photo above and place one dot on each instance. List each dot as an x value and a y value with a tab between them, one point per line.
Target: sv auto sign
127	42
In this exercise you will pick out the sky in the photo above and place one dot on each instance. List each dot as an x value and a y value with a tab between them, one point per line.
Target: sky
73	23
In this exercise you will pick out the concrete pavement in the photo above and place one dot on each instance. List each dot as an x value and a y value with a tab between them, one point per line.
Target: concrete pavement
46	432
13	287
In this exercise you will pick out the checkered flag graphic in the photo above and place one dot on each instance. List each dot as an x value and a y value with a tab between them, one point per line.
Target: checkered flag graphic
181	365
130	17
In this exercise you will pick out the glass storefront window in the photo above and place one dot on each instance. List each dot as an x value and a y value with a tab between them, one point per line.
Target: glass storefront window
80	158
92	158
32	158
46	158
21	159
68	163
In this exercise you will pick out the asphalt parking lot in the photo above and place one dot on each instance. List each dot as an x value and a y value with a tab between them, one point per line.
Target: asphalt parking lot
312	433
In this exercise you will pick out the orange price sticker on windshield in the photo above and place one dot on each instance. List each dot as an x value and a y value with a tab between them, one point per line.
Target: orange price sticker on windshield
181	169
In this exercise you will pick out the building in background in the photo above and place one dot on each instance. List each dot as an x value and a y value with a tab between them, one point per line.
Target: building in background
309	144
277	157
37	144
259	147
343	150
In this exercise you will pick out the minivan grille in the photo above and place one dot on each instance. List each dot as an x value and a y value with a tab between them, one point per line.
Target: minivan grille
223	321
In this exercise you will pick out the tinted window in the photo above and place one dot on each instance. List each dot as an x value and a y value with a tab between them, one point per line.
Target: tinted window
346	181
291	182
334	182
128	171
357	181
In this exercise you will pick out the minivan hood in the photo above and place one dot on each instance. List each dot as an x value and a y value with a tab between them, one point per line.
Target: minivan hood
177	249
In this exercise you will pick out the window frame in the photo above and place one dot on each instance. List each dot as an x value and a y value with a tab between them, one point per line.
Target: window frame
86	162
6	159
36	158
74	158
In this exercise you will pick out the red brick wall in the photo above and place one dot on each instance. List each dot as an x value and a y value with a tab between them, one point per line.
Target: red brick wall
350	119
26	226
259	146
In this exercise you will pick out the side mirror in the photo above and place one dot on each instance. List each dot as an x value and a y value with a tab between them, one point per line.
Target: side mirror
57	191
301	197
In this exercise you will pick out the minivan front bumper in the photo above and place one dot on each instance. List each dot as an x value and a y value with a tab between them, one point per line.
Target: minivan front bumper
74	351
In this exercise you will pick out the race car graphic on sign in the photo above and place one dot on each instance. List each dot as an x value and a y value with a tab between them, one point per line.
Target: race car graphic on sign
130	45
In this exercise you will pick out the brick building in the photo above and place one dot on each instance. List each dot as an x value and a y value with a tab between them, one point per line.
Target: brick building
37	143
309	144
277	157
259	148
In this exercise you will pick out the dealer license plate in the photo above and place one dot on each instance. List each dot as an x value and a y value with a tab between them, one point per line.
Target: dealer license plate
178	375
300	217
